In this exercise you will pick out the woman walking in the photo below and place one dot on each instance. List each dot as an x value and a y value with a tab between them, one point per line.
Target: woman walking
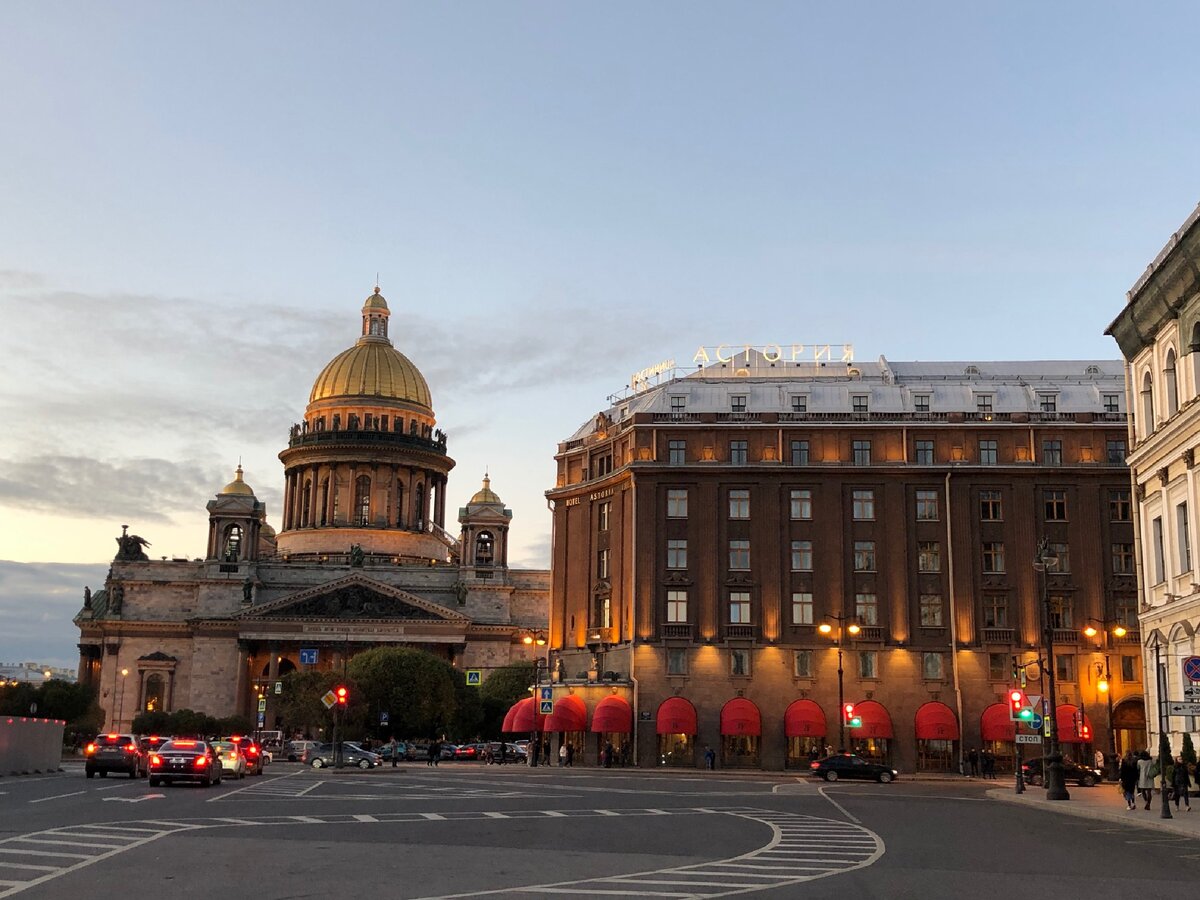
1180	783
1145	781
1129	777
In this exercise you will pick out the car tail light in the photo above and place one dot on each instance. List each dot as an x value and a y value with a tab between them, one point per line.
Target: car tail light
155	759
112	737
91	748
131	748
815	765
252	750
200	762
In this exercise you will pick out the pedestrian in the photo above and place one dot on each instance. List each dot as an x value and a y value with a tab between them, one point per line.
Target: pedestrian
503	753
987	763
1128	776
535	750
394	746
710	758
814	753
562	755
570	755
1181	783
608	754
626	752
1099	757
1146	775
973	762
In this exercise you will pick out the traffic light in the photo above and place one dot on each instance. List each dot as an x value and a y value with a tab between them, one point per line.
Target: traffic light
1085	731
852	721
1016	669
1019	709
342	695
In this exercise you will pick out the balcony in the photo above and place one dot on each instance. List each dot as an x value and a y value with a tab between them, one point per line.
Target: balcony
677	631
739	632
1066	636
997	635
599	636
870	633
388	439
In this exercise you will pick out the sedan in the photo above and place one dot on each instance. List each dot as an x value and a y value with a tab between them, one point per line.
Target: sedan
115	753
233	760
256	758
185	760
846	765
1084	776
352	755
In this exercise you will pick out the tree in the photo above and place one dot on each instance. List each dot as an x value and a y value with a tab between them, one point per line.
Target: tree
504	687
415	688
1189	751
66	700
156	722
300	704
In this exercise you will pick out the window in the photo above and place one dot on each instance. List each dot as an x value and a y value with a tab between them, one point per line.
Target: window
927	506
802	556
999	666
1122	559
799	403
858	404
677	503
1064	666
1112	403
602	564
866	609
676	554
233	543
678	406
1183	538
921	403
868	664
739	662
677	606
993	557
739	554
1147	404
1054	505
739	504
929	556
802	664
924	453
676	452
676	661
1062	554
801	503
1131	669
603	514
1172	389
931	610
1052	453
802	608
799	453
602	613
737	404
362	500
1119	507
991	506
1125	611
485	549
1115	453
861	453
739	453
1048	403
931	666
864	556
988	453
1160	562
863	505
739	608
1060	612
983	405
995	611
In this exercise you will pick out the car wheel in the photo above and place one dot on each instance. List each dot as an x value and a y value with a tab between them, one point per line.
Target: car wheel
885	777
1088	781
831	775
90	773
153	781
242	774
318	763
364	764
206	781
104	773
133	773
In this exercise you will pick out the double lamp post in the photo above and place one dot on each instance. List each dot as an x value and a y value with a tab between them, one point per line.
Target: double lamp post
845	625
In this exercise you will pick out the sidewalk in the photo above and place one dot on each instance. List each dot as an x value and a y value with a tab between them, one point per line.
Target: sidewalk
1105	803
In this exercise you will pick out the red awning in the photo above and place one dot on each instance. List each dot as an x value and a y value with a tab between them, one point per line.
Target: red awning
876	723
676	716
936	722
569	715
1064	719
740	716
997	725
803	718
612	714
520	718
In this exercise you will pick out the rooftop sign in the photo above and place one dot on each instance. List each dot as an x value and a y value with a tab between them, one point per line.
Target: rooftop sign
774	353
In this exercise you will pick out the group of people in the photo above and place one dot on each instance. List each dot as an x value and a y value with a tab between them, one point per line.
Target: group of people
1138	772
981	763
619	755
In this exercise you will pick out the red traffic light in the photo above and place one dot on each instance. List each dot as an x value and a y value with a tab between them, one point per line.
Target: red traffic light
1017	701
342	695
848	711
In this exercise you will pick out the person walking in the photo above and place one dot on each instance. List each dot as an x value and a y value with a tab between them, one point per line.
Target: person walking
1145	781
434	750
973	762
710	758
1128	776
608	755
562	755
394	746
1181	783
570	755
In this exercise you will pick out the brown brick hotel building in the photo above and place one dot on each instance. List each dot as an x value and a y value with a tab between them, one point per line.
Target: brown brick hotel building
706	527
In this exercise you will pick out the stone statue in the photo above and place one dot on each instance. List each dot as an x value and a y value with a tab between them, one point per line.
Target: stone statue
247	591
357	557
460	591
559	669
129	546
87	597
116	596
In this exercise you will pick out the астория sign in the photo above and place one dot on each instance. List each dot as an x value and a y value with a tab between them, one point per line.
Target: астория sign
773	352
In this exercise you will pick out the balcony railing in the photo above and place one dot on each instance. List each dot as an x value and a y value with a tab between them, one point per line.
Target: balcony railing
677	630
395	439
870	633
1066	636
997	635
739	632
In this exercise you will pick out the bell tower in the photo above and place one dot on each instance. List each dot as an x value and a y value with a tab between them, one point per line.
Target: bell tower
236	523
484	539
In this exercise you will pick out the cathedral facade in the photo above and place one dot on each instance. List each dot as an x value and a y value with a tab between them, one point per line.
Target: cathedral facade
363	558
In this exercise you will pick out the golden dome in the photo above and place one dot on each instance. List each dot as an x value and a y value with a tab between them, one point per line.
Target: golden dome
373	369
486	494
237	486
375	301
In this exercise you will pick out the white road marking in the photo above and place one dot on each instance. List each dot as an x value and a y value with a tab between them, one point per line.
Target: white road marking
845	812
58	796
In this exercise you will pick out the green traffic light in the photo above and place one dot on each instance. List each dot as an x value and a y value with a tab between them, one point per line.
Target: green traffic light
1026	714
856	722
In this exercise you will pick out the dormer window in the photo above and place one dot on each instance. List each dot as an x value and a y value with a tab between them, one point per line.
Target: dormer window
737	404
921	403
678	405
858	404
983	405
799	403
1048	403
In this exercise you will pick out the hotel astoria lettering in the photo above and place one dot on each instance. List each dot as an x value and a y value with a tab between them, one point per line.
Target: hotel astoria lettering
773	352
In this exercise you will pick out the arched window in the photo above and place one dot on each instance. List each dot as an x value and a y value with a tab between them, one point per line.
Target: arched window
362	500
156	694
419	511
484	549
399	504
306	503
233	544
324	517
1172	389
1147	405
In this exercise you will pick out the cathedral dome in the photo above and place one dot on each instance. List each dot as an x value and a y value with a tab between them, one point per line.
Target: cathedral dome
237	486
485	494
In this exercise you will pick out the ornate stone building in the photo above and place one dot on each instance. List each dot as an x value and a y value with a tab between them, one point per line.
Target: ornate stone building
363	558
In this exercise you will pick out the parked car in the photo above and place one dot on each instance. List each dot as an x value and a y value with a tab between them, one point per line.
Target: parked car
470	751
297	750
252	750
152	743
185	760
115	753
233	758
352	755
404	752
847	765
1084	776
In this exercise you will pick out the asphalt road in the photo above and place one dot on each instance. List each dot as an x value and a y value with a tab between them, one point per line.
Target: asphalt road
466	830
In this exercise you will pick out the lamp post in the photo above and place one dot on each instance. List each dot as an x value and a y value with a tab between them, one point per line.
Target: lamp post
121	699
846	623
1056	788
535	737
1111	630
1164	722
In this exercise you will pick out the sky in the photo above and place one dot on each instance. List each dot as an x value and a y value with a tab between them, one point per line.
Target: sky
195	199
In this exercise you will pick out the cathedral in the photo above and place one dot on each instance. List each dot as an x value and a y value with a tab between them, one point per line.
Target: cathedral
363	557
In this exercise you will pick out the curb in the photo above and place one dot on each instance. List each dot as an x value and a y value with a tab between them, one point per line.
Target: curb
1120	817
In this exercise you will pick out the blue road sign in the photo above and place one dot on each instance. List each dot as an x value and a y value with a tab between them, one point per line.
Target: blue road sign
308	657
383	718
547	693
1191	668
1036	722
547	708
262	720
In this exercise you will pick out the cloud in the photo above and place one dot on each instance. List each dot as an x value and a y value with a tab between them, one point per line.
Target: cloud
17	280
37	603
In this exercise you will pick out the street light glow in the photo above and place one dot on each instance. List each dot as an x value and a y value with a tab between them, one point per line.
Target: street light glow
825	628
853	628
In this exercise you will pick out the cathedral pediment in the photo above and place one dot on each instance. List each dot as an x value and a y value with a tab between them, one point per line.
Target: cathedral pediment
355	597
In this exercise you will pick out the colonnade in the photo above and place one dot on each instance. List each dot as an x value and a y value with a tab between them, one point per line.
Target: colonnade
323	495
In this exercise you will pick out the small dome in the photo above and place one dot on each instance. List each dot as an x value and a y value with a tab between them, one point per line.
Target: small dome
485	494
237	486
375	301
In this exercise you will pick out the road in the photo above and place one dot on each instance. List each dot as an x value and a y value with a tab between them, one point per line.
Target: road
466	830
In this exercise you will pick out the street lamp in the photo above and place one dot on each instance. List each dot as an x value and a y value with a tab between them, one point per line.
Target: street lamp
1056	788
535	737
851	627
121	699
1164	722
1111	630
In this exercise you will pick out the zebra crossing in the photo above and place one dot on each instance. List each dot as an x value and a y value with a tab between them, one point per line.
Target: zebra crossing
288	787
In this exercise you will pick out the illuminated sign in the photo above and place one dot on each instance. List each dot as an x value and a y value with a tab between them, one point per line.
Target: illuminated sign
639	381
773	353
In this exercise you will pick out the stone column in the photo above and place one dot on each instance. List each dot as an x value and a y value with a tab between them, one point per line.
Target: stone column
243	675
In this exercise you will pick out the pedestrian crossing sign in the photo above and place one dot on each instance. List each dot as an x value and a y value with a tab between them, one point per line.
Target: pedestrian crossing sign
546	708
474	677
547	693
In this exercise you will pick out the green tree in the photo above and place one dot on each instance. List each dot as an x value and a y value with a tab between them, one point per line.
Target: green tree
18	699
301	708
504	687
156	722
415	688
1189	751
66	700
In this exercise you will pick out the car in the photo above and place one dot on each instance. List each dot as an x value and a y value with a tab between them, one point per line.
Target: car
847	765
256	758
470	751
152	743
185	760
297	750
449	751
352	755
511	754
404	752
1084	776
115	753
233	758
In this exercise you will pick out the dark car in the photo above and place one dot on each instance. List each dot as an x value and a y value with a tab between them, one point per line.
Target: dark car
252	750
352	755
470	751
152	743
846	765
115	753
185	760
404	752
1084	776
